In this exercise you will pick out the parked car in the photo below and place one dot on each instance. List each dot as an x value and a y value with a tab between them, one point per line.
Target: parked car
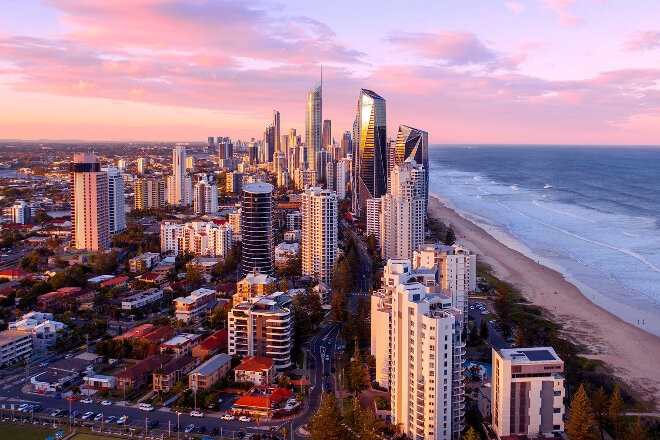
244	419
196	413
214	431
88	415
189	428
106	403
153	424
122	420
228	417
87	400
202	429
98	417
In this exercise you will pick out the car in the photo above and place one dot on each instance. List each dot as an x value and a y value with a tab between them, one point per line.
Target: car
175	428
240	434
471	307
88	415
106	403
122	420
202	429
228	417
43	364
75	414
214	431
56	413
329	342
153	424
57	396
484	312
189	428
326	387
36	407
196	413
23	407
110	419
98	417
244	419
68	356
86	400
71	398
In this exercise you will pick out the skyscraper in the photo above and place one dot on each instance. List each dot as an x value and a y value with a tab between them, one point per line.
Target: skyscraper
370	154
319	233
326	141
116	209
276	128
412	143
268	146
346	144
402	212
179	184
313	121
149	193
89	203
257	228
206	198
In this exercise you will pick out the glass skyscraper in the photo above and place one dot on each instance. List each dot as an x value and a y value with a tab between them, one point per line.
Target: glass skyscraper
369	150
313	124
257	228
412	143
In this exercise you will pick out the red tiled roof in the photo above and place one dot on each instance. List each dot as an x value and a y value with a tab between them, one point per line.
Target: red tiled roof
253	399
114	281
255	363
13	273
217	339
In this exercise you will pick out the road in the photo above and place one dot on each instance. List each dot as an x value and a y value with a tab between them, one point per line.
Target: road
496	340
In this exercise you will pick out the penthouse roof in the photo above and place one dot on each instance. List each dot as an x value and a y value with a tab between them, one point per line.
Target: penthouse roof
530	355
215	340
255	363
262	397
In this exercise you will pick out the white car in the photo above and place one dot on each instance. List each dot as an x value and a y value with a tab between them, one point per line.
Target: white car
23	407
228	417
196	414
189	428
121	420
98	417
244	419
86	400
106	403
88	415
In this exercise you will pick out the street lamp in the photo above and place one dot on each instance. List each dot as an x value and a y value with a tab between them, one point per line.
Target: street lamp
178	426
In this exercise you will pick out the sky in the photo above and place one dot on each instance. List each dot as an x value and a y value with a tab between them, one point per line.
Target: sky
466	71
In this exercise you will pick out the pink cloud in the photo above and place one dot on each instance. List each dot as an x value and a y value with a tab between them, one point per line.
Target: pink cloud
561	8
642	41
514	7
456	48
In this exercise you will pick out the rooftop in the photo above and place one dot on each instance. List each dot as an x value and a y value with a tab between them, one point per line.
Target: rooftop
530	355
212	365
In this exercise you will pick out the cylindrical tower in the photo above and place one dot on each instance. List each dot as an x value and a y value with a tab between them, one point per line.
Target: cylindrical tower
257	228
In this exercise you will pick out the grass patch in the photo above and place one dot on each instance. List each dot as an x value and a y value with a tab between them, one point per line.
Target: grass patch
28	432
86	436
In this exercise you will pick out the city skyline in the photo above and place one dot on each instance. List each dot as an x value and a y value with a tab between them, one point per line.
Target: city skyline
546	71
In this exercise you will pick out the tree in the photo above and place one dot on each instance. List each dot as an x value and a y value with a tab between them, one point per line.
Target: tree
637	431
357	374
326	423
471	434
616	411
450	238
600	403
194	276
483	330
580	421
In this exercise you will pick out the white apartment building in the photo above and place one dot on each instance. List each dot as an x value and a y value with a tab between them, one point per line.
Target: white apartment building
319	233
179	184
194	305
41	327
416	340
143	262
234	219
19	213
340	179
207	239
206	198
455	269
116	208
528	392
403	211
294	221
262	326
142	299
142	163
14	346
373	217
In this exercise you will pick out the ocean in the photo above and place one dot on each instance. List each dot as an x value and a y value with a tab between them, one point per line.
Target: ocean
591	213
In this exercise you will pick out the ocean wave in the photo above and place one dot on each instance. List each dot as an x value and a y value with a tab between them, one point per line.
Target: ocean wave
568	214
547	186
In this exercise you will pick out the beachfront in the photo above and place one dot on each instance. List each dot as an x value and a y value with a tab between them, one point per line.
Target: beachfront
630	352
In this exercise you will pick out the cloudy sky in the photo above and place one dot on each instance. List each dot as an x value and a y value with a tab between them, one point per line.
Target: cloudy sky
467	71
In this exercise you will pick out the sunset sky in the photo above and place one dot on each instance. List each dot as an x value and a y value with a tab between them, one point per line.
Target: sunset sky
467	71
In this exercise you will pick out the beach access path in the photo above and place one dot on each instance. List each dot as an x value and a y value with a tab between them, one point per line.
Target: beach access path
632	353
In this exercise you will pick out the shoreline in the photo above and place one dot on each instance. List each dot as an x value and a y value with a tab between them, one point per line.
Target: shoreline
630	352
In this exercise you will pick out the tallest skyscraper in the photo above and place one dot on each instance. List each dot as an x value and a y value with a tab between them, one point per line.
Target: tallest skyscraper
313	124
369	151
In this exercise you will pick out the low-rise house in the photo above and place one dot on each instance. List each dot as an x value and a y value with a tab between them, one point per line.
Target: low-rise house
195	305
180	345
143	262
142	299
115	282
13	274
165	377
262	401
43	329
99	382
138	375
258	370
211	371
211	345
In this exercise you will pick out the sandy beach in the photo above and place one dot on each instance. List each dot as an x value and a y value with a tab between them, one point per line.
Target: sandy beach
633	354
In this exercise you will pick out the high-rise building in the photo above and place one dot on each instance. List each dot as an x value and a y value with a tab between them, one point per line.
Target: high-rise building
207	239
89	203
206	198
319	233
179	184
370	154
528	392
20	213
277	134
326	138
323	158
257	228
116	208
211	145
346	144
412	143
268	146
149	193
455	269
402	213
340	179
374	207
142	165
247	324
313	127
